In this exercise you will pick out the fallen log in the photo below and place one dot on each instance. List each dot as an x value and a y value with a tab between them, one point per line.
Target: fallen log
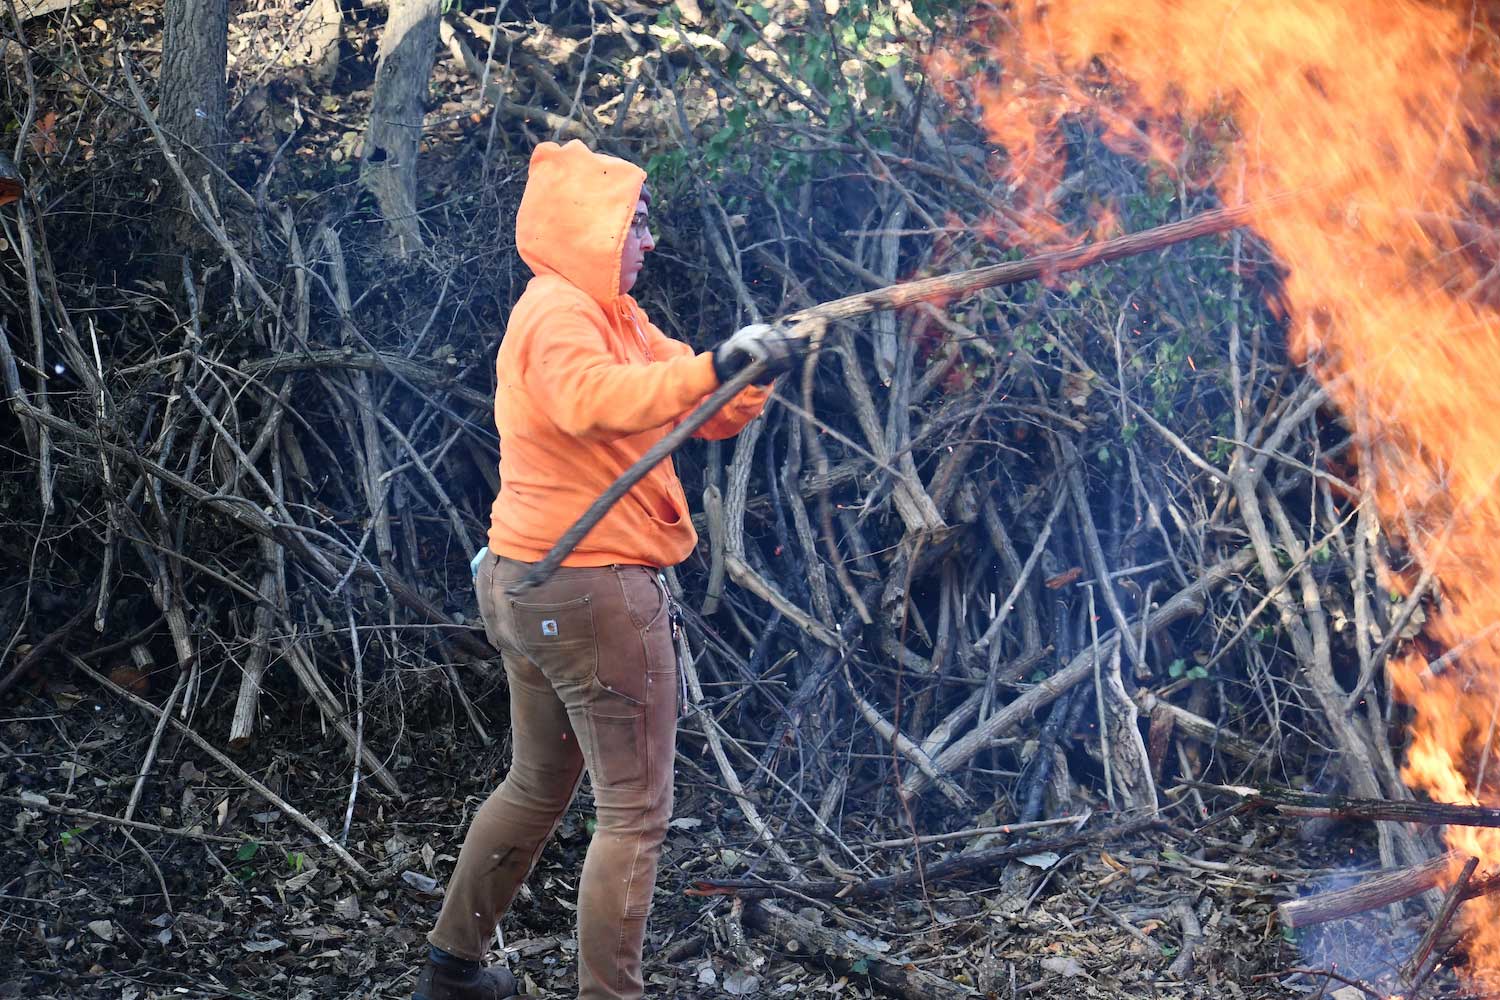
812	321
1310	805
954	867
1384	889
804	940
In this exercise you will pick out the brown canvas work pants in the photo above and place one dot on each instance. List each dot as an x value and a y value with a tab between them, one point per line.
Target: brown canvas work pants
593	684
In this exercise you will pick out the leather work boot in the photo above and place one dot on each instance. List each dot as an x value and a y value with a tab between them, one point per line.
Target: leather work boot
448	977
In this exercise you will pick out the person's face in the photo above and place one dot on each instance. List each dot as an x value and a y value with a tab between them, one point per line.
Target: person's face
638	243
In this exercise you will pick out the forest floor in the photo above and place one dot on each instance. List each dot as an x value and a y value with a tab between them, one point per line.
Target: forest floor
260	913
216	893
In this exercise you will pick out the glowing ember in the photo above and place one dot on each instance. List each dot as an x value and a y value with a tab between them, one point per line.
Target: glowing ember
1375	115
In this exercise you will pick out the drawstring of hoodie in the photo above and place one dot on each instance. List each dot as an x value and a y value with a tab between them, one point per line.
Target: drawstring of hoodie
640	334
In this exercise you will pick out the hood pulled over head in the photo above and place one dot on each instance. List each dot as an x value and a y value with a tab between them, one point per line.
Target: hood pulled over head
574	215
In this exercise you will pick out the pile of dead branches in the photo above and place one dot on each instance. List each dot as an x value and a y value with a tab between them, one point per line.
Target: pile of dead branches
1053	548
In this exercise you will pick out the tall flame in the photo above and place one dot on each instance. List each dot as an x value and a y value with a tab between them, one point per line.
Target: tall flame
1377	118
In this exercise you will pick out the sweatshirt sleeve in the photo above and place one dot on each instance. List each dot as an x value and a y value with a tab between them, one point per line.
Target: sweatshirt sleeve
588	393
733	415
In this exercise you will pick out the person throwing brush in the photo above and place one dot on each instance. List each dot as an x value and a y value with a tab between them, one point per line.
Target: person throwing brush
585	385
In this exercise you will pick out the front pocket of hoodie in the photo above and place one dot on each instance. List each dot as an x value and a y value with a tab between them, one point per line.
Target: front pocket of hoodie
655	492
655	519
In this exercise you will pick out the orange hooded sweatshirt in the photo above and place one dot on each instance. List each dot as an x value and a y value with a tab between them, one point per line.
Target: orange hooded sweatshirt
586	384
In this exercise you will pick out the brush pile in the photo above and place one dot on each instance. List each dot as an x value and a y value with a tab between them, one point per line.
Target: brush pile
1052	550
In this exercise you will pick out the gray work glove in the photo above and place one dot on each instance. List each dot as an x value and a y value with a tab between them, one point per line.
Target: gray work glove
766	342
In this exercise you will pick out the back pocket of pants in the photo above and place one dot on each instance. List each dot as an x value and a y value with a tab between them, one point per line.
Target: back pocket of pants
559	638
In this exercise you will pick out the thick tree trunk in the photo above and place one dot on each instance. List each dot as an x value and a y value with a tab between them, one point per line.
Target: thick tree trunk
407	49
194	99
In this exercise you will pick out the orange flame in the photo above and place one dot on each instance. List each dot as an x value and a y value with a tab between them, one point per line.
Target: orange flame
1377	117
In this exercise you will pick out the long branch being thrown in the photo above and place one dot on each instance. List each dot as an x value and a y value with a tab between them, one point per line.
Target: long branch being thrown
811	321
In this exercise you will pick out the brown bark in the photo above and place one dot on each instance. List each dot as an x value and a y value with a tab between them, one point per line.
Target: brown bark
1388	887
194	99
389	170
1290	803
11	187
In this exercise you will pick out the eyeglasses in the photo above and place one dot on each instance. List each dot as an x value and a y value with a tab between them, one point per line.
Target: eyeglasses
640	226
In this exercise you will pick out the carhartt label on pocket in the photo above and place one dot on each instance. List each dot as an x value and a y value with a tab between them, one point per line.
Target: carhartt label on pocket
549	626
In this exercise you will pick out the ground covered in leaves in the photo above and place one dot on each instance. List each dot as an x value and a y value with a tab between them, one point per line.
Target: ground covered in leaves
238	903
213	891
